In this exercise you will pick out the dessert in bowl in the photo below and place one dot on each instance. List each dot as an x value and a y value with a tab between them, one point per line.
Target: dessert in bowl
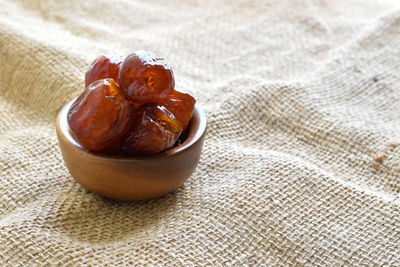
132	139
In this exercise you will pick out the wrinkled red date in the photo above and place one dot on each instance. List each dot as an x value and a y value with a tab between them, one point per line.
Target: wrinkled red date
181	105
130	106
100	116
103	67
154	130
146	77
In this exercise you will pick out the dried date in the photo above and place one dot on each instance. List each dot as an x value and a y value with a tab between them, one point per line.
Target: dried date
100	116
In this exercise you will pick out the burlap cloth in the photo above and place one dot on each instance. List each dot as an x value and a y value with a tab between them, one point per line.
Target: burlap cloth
300	96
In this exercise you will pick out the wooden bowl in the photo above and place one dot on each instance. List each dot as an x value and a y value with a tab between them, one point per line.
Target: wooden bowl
132	178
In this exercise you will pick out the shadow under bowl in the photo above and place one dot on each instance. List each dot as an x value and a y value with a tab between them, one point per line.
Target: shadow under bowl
132	178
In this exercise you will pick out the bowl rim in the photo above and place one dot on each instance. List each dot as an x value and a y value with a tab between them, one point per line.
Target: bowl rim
194	136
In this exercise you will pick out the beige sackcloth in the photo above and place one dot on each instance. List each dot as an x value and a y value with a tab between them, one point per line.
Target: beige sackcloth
300	97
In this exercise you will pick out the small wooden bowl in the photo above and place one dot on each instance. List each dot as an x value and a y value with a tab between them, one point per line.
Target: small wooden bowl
132	178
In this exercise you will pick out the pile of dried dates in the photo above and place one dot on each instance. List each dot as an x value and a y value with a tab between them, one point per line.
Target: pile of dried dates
130	105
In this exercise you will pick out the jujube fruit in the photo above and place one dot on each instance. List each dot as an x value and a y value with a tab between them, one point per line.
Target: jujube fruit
154	130
101	115
130	106
181	105
103	67
145	77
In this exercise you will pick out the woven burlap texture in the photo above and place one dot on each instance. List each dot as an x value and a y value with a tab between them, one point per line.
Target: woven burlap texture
299	95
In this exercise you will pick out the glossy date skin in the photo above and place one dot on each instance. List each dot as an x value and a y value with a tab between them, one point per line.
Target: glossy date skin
103	67
145	77
100	116
181	105
155	129
130	106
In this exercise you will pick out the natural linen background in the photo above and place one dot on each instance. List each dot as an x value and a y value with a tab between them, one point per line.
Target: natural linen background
299	96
